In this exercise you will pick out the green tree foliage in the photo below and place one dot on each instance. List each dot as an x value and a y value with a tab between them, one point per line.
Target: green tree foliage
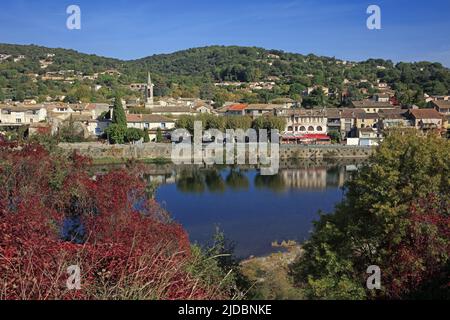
159	135
296	91
395	215
238	122
116	133
269	123
316	98
146	136
193	72
335	136
185	122
19	95
134	134
231	122
119	116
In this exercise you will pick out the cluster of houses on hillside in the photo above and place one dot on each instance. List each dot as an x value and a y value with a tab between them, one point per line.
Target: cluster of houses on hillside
363	123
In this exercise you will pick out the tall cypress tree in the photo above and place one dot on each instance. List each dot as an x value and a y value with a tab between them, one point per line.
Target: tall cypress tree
119	116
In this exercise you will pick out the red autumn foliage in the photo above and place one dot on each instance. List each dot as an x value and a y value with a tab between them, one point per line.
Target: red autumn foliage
125	251
418	259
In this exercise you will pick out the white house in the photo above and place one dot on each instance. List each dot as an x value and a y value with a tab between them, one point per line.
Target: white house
151	122
21	114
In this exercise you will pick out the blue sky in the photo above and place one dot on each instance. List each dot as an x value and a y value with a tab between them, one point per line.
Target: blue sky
129	29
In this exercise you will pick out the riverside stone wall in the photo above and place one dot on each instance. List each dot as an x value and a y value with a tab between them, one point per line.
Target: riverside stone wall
163	150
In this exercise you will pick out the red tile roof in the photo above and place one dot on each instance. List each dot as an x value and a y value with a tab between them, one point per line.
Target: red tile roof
237	107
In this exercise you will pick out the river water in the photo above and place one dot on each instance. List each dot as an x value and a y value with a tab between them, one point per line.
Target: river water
252	210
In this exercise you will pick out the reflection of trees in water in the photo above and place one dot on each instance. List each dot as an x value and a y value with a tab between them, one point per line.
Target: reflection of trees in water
237	180
333	176
214	181
197	181
217	180
191	181
275	182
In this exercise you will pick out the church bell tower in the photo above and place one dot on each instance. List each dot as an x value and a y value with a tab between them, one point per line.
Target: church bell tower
149	103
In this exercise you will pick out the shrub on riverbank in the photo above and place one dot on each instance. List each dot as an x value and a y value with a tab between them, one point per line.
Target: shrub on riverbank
53	215
396	215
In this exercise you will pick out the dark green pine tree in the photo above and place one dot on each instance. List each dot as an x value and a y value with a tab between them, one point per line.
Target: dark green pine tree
119	116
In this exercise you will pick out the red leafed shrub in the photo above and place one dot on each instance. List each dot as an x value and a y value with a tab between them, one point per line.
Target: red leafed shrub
419	259
54	214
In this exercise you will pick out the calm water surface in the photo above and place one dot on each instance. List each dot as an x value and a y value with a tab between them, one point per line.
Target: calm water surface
252	210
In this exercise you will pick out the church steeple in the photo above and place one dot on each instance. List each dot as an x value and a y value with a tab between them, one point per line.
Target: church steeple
149	92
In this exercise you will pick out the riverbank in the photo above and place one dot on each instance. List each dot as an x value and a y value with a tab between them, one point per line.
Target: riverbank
270	274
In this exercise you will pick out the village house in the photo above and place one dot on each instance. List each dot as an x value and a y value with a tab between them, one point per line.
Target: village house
389	119
309	90
333	120
382	97
4	56
429	98
236	109
111	72
372	106
137	86
60	110
91	126
256	110
150	122
366	120
368	137
97	109
441	106
304	121
17	115
203	109
19	58
426	119
29	101
348	122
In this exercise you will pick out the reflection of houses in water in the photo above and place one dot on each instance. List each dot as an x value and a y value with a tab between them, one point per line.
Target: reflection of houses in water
162	178
314	178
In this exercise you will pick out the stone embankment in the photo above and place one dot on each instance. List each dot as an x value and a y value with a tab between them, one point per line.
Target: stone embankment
149	151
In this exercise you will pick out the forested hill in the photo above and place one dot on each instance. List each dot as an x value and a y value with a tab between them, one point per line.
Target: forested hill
64	59
192	72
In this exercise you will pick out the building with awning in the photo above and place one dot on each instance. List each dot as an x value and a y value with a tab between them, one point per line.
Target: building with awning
309	138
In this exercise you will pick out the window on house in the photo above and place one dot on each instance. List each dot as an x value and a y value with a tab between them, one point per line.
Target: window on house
163	125
18	120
